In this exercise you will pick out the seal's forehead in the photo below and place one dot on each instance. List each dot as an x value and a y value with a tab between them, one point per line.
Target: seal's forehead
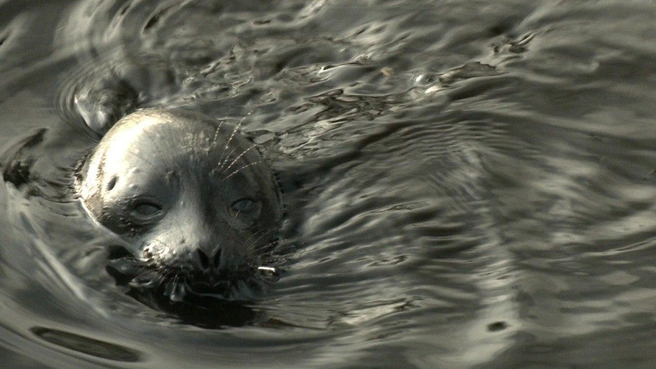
161	137
141	118
131	135
132	143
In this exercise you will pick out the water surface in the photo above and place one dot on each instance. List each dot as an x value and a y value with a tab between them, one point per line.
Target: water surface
472	183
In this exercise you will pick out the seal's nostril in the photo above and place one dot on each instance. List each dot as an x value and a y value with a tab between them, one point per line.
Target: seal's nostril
216	261
203	259
118	252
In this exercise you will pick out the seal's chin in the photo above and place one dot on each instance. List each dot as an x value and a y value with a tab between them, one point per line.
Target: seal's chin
149	281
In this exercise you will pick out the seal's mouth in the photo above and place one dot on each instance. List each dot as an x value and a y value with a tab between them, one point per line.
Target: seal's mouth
184	283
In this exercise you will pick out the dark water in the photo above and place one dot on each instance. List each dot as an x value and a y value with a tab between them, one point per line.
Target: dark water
473	180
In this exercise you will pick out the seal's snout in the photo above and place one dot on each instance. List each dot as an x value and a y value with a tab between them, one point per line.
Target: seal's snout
204	259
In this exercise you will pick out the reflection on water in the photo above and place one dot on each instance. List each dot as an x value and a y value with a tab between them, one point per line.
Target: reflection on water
467	185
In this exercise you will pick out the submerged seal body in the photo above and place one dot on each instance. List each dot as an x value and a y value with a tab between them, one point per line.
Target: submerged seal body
194	199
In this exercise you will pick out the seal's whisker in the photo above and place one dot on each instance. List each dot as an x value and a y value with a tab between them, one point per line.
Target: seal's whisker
263	249
238	157
217	131
248	244
240	169
234	131
223	162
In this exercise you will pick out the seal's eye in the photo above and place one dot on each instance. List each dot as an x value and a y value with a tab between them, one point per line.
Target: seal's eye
144	210
244	205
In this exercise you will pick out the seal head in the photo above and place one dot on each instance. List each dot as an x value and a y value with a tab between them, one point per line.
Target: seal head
194	199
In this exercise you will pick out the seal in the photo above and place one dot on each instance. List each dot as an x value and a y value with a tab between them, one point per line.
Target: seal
194	200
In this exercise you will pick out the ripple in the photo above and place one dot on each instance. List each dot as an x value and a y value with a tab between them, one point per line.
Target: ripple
87	345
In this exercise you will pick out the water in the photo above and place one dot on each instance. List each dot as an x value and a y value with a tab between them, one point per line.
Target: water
469	185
